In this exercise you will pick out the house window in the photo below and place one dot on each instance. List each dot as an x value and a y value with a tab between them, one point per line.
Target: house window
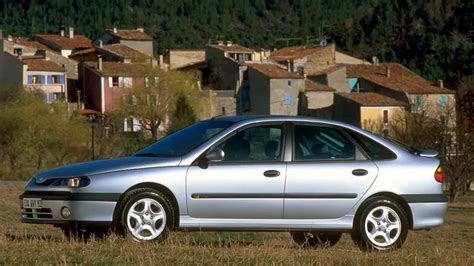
289	82
442	101
55	79
151	81
17	51
385	132
418	101
115	81
35	79
385	116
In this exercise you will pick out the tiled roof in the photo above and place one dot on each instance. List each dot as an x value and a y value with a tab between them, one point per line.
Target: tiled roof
371	99
232	48
296	52
130	34
123	51
310	85
274	71
30	43
401	78
83	52
78	42
342	58
324	70
41	64
120	69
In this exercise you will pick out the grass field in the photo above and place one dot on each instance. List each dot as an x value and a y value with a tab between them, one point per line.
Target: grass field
452	244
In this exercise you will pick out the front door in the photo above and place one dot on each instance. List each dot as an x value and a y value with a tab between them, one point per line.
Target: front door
327	175
248	184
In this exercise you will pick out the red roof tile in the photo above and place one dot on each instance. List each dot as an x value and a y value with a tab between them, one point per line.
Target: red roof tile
324	70
123	51
315	86
274	71
120	69
78	42
41	64
296	52
401	78
371	99
30	43
83	52
130	34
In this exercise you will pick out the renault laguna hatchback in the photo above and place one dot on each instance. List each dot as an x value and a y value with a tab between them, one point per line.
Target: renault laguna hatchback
311	177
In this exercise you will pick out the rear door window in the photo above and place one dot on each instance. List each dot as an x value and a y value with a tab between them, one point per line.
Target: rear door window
322	143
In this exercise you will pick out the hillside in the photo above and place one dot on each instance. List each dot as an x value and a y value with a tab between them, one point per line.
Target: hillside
434	38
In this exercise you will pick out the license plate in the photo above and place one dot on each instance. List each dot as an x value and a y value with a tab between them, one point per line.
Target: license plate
32	203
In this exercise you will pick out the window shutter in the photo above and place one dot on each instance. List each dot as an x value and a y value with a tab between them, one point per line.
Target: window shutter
30	79
50	97
110	82
61	79
121	82
42	81
50	79
442	101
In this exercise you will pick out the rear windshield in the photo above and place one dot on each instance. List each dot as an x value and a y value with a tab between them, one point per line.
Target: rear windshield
403	145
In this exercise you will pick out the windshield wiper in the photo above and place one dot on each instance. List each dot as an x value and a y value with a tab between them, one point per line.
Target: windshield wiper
145	154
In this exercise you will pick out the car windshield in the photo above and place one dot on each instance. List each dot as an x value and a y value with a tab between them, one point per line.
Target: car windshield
184	140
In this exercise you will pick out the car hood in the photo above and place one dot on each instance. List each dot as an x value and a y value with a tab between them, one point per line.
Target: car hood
106	166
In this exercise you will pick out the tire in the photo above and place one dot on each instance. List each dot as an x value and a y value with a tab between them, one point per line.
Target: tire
147	215
382	225
74	232
316	239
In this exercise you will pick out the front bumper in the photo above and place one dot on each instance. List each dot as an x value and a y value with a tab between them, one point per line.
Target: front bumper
82	211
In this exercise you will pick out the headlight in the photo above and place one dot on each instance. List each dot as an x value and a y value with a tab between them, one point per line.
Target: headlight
81	181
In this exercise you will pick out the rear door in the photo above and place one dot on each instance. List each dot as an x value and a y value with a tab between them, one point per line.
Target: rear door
327	175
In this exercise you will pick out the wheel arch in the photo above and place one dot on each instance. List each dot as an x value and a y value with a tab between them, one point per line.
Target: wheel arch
159	187
397	198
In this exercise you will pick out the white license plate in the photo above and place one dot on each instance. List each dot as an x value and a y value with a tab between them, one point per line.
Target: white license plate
32	203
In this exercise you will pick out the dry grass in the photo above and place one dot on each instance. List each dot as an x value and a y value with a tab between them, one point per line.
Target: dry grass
42	244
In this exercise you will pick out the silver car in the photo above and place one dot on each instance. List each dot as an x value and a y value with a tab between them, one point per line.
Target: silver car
311	177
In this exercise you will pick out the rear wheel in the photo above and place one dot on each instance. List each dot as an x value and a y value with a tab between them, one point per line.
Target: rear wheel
316	239
382	225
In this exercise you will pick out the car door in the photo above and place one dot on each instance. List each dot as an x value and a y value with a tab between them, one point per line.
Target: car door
248	183
327	175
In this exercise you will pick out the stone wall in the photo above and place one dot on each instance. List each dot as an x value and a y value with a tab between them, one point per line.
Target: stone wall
180	58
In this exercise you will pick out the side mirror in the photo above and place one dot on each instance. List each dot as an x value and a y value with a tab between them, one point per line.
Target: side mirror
428	153
215	155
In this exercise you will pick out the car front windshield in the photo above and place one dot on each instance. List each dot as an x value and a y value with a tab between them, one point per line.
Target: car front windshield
184	140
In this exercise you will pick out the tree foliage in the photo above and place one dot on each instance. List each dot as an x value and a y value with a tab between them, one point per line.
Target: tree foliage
434	38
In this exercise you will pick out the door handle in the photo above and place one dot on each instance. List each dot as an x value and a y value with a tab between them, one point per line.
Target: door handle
360	172
271	173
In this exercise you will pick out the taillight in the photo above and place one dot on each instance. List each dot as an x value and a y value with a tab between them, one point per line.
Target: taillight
439	176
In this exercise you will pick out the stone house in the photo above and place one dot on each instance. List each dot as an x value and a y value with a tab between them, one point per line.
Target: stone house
399	83
133	38
317	100
272	90
181	58
368	110
35	73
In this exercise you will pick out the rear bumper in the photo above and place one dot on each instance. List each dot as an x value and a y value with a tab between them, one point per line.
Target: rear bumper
82	211
427	215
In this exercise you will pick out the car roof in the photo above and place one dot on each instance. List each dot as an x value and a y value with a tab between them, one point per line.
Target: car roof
270	118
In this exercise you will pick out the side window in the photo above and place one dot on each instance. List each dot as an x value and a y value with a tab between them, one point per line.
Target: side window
322	143
375	150
260	143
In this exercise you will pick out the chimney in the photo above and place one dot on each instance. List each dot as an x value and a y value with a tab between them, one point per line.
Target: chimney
288	65
440	83
61	33
375	60
101	44
160	60
71	33
10	38
387	71
229	43
140	30
114	30
99	62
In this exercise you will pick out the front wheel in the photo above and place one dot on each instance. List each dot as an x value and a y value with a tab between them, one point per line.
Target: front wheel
147	215
316	239
383	225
